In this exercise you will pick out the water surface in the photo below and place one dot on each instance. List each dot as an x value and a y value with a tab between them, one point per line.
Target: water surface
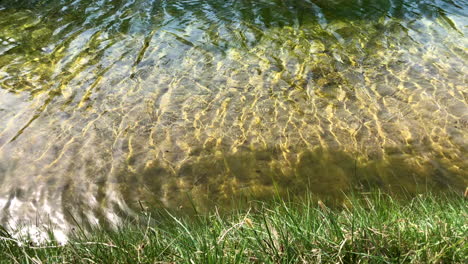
107	103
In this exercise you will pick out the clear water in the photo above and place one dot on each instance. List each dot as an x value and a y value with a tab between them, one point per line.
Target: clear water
106	104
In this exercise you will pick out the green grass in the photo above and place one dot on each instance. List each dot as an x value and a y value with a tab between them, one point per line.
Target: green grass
367	228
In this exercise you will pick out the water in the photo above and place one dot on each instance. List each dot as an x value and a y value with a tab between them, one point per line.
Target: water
108	104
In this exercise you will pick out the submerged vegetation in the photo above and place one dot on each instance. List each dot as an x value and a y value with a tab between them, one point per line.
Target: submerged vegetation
365	228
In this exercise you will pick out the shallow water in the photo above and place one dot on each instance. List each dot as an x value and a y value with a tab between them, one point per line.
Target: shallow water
107	103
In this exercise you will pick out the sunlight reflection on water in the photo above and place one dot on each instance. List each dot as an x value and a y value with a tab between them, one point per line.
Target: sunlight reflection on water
107	103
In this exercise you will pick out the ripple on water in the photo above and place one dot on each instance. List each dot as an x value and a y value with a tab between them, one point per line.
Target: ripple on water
107	103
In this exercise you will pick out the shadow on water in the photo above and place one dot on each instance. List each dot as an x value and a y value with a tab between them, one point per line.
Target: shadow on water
231	181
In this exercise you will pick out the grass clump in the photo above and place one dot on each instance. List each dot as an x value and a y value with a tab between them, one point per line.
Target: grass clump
372	228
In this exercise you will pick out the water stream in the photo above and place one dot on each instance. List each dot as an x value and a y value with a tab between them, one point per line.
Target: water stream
106	104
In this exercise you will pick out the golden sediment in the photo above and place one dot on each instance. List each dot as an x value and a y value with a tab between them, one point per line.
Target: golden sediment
218	100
